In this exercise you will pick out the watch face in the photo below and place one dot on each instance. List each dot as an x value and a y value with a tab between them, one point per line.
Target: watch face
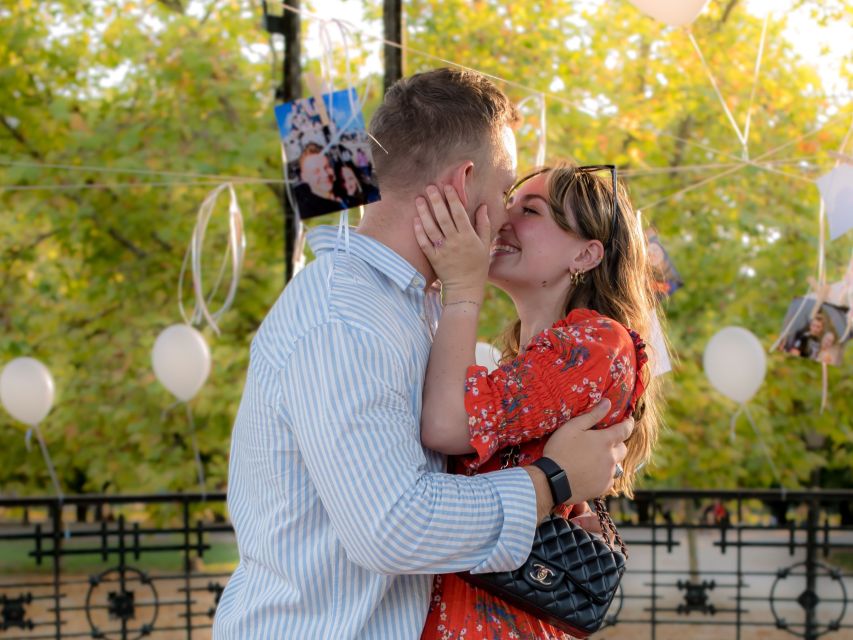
560	488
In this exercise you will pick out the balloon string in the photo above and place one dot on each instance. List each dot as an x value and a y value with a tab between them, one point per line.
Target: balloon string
821	244
542	129
196	453
713	80
214	180
756	75
732	423
787	329
744	163
764	446
60	497
49	462
166	411
848	288
617	120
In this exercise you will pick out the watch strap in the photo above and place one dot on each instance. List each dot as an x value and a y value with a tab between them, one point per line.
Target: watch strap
558	481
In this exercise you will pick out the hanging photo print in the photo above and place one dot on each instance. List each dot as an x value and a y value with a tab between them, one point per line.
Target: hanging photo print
819	338
667	280
329	163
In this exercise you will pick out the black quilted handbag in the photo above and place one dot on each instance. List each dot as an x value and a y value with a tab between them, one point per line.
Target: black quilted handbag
568	581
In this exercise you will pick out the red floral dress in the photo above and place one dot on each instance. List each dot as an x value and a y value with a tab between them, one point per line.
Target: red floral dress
563	371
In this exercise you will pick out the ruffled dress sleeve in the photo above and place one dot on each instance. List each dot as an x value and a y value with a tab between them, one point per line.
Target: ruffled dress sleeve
564	371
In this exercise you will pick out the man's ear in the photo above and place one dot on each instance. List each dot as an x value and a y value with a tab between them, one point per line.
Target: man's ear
460	179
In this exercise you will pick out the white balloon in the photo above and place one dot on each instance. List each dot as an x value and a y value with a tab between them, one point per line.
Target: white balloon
735	363
181	360
487	356
676	13
27	390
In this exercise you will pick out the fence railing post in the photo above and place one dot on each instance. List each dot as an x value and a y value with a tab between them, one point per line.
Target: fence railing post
56	517
809	599
806	593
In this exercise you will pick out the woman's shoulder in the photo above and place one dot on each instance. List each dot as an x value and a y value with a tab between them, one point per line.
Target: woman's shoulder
588	326
592	330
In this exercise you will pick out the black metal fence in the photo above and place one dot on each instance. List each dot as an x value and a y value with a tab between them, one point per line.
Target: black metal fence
728	563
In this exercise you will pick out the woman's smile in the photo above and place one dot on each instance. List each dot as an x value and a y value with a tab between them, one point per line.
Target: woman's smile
502	247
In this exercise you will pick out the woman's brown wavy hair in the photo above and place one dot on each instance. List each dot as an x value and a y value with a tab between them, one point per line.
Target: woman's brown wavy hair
620	287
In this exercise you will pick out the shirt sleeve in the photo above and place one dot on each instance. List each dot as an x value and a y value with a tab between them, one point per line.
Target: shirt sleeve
565	371
348	398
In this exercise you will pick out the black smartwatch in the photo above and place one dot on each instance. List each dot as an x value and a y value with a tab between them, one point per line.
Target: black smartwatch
557	479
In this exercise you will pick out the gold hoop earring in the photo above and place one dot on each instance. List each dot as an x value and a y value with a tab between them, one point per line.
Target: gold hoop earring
578	277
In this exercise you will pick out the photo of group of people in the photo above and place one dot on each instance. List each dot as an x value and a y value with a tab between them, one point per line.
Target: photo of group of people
817	337
666	278
329	163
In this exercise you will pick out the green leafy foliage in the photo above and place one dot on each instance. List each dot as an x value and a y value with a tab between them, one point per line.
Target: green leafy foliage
89	275
622	88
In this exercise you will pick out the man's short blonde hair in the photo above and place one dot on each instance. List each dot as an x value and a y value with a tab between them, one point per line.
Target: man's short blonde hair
432	119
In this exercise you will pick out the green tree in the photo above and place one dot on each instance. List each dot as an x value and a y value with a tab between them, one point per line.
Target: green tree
89	274
623	88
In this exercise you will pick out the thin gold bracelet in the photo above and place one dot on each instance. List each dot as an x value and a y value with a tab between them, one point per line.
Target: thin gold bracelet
476	304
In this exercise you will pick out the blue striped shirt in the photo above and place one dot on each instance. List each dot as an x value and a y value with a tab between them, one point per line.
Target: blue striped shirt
341	515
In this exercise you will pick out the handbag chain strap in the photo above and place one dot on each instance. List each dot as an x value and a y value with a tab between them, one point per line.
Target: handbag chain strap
510	458
608	528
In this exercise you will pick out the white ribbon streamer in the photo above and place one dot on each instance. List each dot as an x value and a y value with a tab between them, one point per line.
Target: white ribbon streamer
356	105
235	249
327	66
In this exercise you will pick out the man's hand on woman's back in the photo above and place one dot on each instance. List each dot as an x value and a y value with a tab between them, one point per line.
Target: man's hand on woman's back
588	456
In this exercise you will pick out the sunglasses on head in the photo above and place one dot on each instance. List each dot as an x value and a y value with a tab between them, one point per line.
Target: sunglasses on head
590	168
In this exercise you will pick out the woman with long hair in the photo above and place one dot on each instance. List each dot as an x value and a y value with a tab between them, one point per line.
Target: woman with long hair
572	257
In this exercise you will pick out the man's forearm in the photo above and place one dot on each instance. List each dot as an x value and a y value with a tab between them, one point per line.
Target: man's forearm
446	524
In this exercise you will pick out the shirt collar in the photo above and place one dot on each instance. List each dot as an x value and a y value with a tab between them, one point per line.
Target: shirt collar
323	239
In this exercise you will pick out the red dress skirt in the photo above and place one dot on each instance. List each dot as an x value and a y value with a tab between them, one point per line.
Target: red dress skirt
563	371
